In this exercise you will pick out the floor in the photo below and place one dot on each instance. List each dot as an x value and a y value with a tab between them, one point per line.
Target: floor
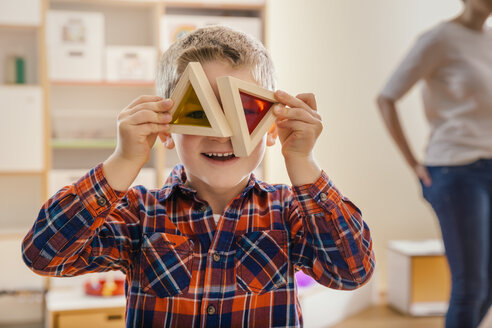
382	316
385	317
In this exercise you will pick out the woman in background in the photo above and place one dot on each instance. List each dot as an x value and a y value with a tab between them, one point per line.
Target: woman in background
454	60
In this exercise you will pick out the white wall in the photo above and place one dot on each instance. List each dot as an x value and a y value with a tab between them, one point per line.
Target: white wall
343	51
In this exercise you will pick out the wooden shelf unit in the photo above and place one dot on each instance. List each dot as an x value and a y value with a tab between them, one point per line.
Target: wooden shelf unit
37	182
157	10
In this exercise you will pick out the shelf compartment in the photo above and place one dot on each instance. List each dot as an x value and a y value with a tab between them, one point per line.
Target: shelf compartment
143	84
83	143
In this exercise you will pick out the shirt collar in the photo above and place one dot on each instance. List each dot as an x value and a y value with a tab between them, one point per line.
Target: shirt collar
177	179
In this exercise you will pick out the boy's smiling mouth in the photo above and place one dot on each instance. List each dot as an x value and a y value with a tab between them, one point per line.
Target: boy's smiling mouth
220	156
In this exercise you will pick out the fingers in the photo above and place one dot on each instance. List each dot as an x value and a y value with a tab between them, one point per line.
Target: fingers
309	99
156	106
295	125
144	99
153	128
426	179
289	100
306	101
423	174
146	115
149	116
299	114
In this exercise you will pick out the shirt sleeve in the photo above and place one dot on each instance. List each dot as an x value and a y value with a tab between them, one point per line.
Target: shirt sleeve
330	241
423	58
85	227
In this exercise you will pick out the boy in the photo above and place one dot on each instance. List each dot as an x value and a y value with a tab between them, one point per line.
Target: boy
214	247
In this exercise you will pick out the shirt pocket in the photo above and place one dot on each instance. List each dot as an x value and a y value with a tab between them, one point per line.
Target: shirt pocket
166	264
261	261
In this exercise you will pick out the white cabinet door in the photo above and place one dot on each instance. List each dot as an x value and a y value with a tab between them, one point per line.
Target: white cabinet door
21	128
20	12
15	275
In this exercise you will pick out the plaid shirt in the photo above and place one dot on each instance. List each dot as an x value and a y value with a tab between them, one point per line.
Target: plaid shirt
183	270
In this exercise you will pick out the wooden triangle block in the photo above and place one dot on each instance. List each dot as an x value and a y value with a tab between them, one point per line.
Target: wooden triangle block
247	107
196	110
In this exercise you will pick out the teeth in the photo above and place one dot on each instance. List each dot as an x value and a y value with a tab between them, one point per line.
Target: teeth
218	154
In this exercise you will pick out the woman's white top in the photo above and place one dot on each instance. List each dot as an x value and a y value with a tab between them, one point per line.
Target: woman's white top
455	64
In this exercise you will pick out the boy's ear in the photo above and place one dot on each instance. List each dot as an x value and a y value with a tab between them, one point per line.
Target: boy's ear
272	135
167	140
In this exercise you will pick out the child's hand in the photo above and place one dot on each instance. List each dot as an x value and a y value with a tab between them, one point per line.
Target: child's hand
139	124
299	126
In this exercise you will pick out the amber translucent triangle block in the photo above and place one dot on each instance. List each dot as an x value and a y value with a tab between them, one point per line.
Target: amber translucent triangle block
190	111
254	109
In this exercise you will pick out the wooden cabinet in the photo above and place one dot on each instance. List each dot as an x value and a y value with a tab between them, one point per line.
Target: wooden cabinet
71	308
108	318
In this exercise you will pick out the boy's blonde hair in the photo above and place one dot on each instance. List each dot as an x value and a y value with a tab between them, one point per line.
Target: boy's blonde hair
210	44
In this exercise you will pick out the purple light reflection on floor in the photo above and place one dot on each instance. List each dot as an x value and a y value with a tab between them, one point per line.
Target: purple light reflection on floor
303	280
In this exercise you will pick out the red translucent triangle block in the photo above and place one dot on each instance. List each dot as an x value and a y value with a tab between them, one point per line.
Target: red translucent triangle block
254	109
190	111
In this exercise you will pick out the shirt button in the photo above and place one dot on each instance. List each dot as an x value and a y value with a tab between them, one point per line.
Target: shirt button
216	257
101	201
211	309
203	208
323	197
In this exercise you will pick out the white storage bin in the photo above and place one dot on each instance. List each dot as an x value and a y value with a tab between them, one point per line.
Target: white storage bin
127	63
75	45
89	124
419	281
75	63
20	12
75	28
21	128
175	26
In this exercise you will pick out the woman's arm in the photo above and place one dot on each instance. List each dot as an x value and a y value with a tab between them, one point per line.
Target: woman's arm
391	119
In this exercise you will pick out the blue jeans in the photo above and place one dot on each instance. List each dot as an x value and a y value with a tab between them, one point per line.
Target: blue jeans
461	197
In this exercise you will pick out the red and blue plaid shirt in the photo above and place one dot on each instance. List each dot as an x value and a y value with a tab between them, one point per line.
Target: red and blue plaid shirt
184	270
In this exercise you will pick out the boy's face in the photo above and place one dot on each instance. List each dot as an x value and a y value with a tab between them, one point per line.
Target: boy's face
210	160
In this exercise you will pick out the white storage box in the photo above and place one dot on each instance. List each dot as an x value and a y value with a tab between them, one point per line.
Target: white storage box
125	63
419	281
75	28
21	128
75	45
90	124
20	12
75	63
175	26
